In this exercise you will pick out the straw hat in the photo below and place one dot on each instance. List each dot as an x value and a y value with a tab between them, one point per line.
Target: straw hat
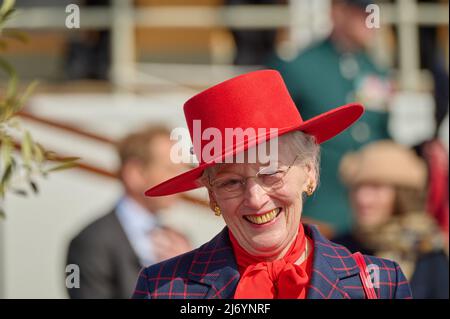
384	162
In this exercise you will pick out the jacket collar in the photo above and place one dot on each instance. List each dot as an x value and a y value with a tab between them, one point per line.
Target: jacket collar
332	264
214	265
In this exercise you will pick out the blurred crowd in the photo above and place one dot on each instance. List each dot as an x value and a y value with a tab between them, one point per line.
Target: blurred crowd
380	197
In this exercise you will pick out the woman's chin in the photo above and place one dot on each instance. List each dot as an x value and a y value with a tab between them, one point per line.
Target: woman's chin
267	243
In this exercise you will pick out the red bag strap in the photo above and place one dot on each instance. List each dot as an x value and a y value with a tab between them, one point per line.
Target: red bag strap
365	276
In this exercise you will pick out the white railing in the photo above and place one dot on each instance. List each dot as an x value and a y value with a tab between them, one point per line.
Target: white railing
122	18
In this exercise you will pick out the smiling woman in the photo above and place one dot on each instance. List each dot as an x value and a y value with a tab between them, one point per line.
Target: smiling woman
265	251
266	222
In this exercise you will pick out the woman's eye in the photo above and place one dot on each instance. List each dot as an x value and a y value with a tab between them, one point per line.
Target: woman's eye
272	178
273	174
229	183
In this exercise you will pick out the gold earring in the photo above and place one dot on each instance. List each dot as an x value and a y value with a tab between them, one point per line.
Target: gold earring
217	211
310	189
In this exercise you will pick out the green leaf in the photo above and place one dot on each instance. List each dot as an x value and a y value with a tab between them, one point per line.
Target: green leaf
50	155
69	159
14	123
5	114
16	35
27	150
6	150
4	17
7	6
6	10
34	187
11	90
2	213
13	163
28	91
6	175
61	167
39	153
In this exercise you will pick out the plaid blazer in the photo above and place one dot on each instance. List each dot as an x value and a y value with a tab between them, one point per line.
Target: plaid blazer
210	271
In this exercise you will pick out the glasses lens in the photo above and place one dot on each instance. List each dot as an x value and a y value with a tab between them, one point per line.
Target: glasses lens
271	181
227	186
268	179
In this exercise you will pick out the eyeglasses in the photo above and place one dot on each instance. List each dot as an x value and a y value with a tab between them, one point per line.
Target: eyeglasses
269	178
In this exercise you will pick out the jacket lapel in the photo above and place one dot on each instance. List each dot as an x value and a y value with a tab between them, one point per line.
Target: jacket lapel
214	266
332	266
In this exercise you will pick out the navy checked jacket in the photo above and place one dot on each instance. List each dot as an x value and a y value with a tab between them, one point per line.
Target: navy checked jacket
210	271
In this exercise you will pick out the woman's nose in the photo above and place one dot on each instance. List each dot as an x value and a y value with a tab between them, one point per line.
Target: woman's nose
364	195
254	195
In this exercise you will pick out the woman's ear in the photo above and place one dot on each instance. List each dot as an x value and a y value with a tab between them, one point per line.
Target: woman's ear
131	175
310	174
212	200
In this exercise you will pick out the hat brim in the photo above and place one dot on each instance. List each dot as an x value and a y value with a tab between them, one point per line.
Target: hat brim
323	127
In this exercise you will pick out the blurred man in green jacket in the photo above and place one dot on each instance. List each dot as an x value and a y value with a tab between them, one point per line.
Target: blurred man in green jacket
340	67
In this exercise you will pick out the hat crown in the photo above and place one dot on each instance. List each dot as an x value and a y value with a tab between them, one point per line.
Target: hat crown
259	102
385	162
252	102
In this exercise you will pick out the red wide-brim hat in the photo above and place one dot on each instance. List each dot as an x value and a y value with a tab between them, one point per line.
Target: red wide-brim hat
259	101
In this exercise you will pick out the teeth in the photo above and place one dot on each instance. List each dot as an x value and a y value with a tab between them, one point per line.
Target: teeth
262	219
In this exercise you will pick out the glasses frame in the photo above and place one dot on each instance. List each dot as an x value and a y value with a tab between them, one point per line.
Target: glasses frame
244	180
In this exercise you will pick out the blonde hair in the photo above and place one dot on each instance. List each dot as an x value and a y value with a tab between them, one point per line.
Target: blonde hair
137	145
305	147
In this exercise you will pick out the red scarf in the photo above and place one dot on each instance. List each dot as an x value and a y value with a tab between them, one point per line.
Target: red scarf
279	279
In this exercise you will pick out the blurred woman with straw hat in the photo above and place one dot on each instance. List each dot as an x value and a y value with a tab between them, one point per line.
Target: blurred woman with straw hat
387	183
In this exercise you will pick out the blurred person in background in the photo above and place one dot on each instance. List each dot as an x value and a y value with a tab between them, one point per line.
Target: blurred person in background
435	155
387	183
340	63
87	53
111	250
433	56
253	47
